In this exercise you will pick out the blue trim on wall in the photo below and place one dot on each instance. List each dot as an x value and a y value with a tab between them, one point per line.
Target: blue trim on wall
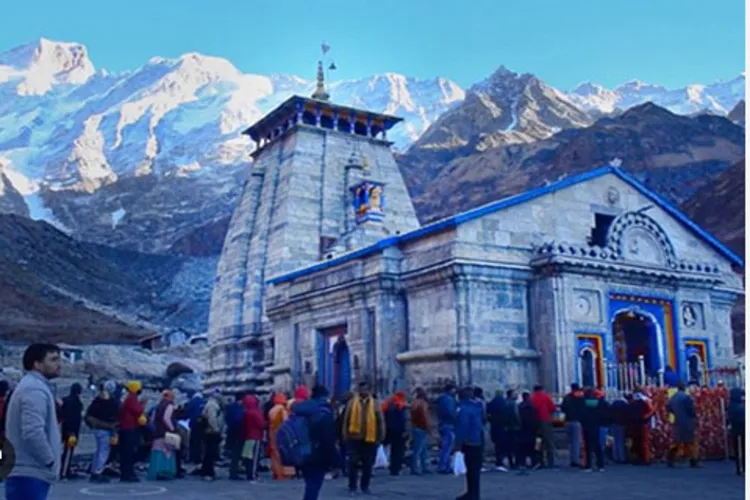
456	220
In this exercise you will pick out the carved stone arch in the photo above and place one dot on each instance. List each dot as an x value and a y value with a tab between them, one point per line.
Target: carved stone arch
633	229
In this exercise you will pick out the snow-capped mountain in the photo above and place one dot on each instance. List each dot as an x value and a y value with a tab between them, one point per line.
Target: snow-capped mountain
718	98
143	158
68	131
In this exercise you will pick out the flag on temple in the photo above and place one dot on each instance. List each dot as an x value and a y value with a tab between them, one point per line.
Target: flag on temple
332	67
325	48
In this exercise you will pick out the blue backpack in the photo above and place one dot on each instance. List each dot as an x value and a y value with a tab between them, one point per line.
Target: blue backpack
293	439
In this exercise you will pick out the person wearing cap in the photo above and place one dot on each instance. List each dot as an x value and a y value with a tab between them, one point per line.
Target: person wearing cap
72	410
130	419
101	417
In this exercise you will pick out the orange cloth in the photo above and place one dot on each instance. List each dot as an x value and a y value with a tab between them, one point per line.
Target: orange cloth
276	417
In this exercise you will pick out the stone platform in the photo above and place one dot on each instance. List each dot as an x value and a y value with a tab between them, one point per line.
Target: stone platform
617	483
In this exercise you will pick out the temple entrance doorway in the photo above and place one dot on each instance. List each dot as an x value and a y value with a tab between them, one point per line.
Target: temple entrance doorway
636	335
334	360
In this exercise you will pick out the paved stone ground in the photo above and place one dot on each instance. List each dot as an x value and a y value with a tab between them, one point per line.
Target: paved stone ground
716	481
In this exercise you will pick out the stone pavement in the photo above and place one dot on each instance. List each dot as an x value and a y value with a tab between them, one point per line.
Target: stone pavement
716	479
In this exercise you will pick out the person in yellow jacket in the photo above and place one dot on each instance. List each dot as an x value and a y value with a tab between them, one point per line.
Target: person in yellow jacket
363	431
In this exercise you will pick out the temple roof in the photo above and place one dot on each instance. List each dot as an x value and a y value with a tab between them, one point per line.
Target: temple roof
289	108
456	220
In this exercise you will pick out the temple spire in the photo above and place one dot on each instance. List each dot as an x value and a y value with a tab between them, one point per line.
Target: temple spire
320	88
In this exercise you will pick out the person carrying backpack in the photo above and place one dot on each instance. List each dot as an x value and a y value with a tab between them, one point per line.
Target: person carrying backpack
214	426
320	454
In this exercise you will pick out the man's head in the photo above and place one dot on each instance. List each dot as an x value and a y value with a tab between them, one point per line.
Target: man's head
450	388
574	387
363	389
319	392
680	386
43	359
420	393
525	396
466	393
478	393
510	395
76	389
538	388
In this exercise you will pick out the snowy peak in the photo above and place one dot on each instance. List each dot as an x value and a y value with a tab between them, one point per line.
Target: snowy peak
44	64
717	98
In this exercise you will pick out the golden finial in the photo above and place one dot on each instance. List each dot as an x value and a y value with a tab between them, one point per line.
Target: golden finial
320	88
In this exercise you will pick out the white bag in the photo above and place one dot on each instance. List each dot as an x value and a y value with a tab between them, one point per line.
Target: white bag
381	459
459	464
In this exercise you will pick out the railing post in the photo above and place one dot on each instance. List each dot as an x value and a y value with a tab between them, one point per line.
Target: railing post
642	369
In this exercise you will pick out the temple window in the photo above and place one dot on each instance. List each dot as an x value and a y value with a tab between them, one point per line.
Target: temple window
602	222
308	118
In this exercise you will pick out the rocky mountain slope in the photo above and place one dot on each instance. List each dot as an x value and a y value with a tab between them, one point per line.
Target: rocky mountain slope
59	289
737	115
148	158
675	155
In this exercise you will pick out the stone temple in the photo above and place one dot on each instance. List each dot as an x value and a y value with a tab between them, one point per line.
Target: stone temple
327	276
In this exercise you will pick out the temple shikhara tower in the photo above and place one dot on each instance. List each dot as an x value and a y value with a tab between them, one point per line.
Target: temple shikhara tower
319	185
327	277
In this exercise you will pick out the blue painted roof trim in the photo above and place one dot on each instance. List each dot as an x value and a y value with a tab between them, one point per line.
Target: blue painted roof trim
469	215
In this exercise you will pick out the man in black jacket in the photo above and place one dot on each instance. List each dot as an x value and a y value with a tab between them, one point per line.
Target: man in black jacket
72	414
101	417
495	415
572	407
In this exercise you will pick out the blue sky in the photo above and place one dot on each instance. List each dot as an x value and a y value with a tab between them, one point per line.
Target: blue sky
563	42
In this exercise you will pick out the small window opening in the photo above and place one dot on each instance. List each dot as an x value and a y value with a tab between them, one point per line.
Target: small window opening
601	227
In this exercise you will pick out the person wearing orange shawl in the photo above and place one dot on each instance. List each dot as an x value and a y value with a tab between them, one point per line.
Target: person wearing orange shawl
276	417
364	430
394	413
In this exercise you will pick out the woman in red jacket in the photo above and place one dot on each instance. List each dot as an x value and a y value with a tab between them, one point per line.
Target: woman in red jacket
253	425
130	418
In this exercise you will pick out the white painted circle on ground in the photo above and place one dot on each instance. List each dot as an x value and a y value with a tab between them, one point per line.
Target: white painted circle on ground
128	491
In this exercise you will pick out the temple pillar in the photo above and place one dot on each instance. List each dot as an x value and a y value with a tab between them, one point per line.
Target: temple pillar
317	116
369	127
335	120
352	122
300	110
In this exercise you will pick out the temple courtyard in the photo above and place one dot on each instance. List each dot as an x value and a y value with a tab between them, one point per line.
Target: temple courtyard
618	482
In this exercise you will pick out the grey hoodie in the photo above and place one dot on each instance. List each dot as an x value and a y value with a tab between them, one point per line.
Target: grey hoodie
32	429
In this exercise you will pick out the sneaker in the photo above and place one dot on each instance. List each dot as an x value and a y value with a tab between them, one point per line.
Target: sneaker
588	470
600	469
537	466
328	476
208	478
501	468
522	472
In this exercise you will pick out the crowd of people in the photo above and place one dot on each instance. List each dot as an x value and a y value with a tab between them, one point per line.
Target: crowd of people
344	437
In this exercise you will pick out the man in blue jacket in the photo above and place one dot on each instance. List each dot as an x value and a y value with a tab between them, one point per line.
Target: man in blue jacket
470	440
446	409
322	433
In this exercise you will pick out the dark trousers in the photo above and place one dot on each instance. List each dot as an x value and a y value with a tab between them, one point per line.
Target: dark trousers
343	457
196	442
473	458
251	465
398	448
235	444
361	456
739	452
313	482
211	445
592	441
505	446
128	445
525	449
